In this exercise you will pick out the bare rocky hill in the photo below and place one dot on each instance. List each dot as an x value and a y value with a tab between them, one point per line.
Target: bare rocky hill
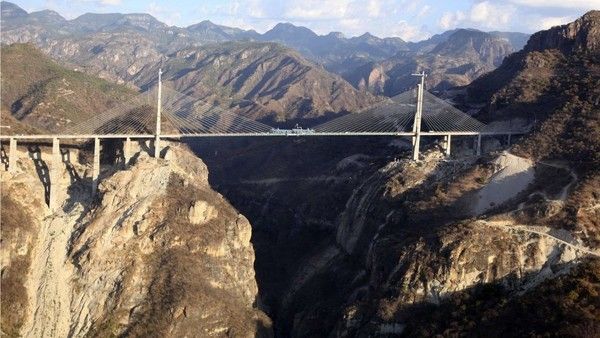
456	60
263	81
553	83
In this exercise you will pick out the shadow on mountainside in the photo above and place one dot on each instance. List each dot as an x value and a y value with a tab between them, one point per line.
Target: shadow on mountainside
565	306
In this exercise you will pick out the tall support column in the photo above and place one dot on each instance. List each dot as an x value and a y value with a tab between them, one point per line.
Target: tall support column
448	144
509	135
478	145
12	155
96	166
126	151
417	121
158	112
55	174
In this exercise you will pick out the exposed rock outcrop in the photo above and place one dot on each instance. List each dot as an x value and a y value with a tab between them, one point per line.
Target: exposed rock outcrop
582	35
134	263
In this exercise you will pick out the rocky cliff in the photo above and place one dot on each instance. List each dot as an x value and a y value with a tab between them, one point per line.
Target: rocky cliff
383	243
553	85
159	253
582	35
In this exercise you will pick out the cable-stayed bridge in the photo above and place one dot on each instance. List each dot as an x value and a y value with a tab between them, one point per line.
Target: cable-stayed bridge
163	113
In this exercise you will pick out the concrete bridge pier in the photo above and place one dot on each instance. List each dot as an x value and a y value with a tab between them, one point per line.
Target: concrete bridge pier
447	144
416	146
157	147
12	155
508	141
55	174
478	146
126	151
96	166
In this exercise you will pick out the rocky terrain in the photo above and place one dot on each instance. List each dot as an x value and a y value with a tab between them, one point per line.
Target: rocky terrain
265	82
158	254
344	236
505	244
457	60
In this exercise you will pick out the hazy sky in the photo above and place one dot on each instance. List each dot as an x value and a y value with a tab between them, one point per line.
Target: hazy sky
411	20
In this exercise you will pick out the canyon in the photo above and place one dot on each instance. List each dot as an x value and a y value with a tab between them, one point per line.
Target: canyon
160	253
296	236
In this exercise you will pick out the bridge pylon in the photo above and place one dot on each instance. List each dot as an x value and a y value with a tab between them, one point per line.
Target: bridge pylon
418	115
158	113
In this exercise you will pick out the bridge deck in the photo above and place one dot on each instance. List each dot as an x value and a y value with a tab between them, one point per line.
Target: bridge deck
150	136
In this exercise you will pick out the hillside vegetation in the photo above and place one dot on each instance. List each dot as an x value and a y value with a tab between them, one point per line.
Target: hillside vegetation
42	94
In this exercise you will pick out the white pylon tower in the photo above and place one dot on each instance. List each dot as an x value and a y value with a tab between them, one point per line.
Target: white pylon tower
418	115
158	107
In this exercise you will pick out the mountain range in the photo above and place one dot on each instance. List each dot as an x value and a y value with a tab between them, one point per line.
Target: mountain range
333	237
379	65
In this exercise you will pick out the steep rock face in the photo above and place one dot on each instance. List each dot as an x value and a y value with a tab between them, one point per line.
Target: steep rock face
553	85
582	35
409	226
551	62
134	263
488	48
373	240
22	217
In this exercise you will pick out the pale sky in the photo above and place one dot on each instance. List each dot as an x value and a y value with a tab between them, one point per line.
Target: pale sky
411	20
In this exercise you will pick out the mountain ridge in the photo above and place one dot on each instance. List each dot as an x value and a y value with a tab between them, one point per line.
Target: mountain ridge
457	59
334	51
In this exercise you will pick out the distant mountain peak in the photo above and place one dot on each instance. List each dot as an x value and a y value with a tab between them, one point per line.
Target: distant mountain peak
204	24
10	10
288	31
367	35
337	35
291	28
285	25
49	12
